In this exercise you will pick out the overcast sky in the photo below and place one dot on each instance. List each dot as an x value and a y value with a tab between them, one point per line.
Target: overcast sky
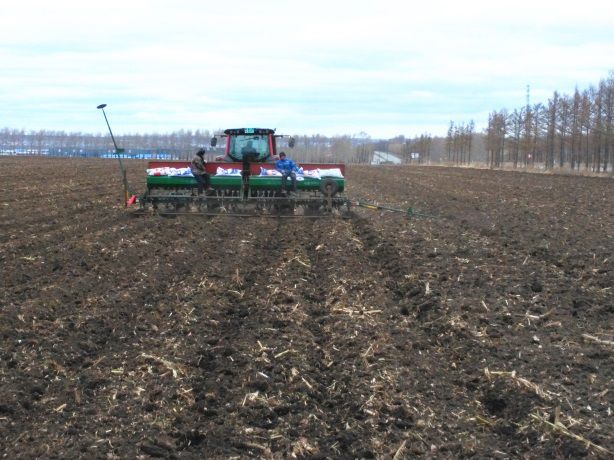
382	67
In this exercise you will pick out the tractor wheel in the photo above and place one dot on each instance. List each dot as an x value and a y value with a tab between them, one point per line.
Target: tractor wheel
329	187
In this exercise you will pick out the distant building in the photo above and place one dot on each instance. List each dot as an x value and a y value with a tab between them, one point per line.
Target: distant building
385	158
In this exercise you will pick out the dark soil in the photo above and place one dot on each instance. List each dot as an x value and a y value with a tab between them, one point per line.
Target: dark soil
484	333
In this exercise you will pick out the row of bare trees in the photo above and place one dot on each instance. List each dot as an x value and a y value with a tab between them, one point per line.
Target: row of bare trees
575	131
418	149
180	144
67	143
458	142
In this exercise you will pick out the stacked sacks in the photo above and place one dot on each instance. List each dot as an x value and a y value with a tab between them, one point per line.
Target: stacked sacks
167	171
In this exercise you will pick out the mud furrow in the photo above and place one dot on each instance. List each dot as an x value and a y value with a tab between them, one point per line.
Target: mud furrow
240	379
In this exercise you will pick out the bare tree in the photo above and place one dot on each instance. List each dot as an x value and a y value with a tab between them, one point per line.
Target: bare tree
495	137
563	128
515	125
450	141
553	107
608	120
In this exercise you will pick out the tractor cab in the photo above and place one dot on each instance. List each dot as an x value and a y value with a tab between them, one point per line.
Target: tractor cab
253	145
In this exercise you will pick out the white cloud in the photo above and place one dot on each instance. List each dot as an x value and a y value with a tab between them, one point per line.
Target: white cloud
386	67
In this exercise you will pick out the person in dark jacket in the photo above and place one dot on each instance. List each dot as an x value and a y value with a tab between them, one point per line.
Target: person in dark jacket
198	171
287	168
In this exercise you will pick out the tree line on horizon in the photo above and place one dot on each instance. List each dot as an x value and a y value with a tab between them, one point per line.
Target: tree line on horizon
568	131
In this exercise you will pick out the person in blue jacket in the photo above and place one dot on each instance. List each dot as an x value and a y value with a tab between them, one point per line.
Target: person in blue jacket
286	167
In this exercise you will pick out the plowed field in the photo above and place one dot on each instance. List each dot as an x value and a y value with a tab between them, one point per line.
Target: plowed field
486	332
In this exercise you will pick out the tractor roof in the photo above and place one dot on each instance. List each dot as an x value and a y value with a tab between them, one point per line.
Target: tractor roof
238	131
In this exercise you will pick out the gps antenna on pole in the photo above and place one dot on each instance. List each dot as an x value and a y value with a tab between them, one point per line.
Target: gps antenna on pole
118	152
